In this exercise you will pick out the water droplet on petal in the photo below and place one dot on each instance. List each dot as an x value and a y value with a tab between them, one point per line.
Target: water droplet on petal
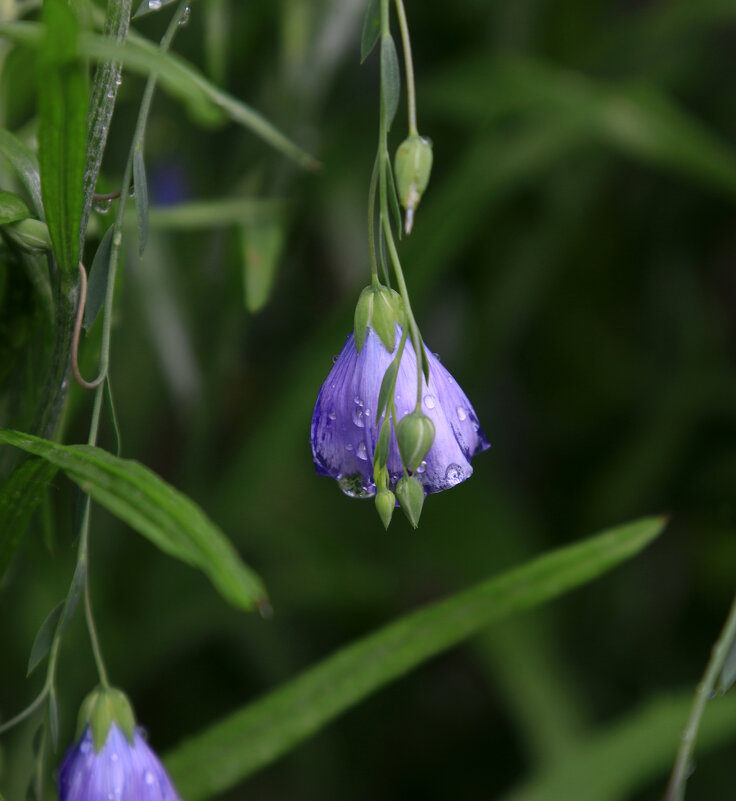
353	486
454	474
358	417
362	452
422	467
367	412
348	447
358	401
332	415
86	746
149	778
429	401
114	757
184	18
335	357
461	413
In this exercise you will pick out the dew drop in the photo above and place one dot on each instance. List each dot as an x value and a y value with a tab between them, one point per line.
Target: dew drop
454	474
353	486
335	357
367	412
362	452
358	418
461	413
114	757
429	401
358	401
184	18
332	415
148	778
422	467
154	5
348	447
103	205
85	747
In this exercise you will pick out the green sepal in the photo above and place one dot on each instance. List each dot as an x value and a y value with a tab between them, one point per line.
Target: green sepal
384	318
415	435
380	457
363	315
410	492
385	505
387	387
100	709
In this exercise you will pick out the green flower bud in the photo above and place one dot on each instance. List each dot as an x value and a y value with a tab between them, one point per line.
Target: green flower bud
410	492
380	308
385	505
415	435
31	235
100	709
412	165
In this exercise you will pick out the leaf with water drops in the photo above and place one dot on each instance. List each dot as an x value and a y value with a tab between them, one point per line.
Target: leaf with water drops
390	78
169	519
148	6
20	494
62	132
98	274
141	196
12	208
371	29
250	738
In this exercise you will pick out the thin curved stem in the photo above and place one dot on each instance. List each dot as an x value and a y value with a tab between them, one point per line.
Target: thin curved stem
77	333
411	95
704	691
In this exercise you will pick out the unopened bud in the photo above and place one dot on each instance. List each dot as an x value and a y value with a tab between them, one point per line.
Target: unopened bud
412	165
415	435
385	505
100	709
31	235
410	492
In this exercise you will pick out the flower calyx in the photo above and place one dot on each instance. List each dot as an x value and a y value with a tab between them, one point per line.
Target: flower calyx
410	492
380	308
412	166
100	709
415	435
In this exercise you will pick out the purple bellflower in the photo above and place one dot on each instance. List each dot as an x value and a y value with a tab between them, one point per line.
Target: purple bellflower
345	430
119	771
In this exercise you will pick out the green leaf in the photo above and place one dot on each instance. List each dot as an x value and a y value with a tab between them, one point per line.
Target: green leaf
393	198
387	386
12	208
20	494
628	754
263	243
156	510
371	29
53	719
204	214
229	751
98	275
25	163
728	672
42	640
62	131
390	78
141	197
74	594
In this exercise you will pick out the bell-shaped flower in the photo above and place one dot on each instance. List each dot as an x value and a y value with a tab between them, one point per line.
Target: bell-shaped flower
345	429
120	771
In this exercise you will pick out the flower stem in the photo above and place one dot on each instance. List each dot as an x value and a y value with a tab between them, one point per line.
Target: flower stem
703	692
411	96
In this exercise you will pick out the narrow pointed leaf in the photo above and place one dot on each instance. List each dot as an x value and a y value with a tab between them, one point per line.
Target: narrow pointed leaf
97	284
390	78
223	755
62	131
141	197
393	199
42	640
139	497
263	243
387	385
20	494
728	673
371	29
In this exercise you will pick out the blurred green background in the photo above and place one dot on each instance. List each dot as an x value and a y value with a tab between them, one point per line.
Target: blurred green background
573	262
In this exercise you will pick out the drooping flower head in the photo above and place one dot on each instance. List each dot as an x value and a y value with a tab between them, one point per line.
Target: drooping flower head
111	760
347	422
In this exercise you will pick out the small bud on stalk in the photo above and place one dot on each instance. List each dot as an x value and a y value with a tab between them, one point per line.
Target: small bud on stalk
410	492
412	165
415	435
